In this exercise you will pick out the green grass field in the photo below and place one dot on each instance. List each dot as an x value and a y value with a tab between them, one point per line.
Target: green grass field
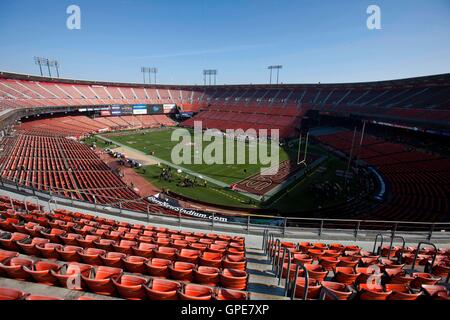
159	142
297	197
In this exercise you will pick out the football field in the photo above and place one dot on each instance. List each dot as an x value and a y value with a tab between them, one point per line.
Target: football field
158	143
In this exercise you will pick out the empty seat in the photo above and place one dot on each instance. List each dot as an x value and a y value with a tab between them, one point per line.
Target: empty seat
157	267
165	253
234	279
211	259
346	275
144	250
161	289
70	253
188	255
183	271
113	259
11	294
135	264
195	292
45	298
401	292
207	276
48	250
28	245
92	256
8	240
40	271
232	261
340	291
99	280
69	275
227	294
13	268
131	287
372	292
313	291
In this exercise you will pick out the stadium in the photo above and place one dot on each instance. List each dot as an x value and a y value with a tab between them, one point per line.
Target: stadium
342	192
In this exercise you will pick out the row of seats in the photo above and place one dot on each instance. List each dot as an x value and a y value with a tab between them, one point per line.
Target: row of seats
343	272
78	126
109	257
417	182
66	167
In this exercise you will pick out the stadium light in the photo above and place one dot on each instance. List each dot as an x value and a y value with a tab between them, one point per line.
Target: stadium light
46	62
54	63
148	70
210	73
154	71
276	67
145	70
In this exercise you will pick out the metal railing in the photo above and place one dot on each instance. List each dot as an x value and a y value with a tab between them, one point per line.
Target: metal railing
284	227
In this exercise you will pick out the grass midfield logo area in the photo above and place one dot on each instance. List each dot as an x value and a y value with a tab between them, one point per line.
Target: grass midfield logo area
260	147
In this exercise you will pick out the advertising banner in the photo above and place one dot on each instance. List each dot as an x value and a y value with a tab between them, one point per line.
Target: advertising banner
140	109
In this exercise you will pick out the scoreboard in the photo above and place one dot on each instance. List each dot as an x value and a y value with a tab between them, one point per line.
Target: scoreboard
128	110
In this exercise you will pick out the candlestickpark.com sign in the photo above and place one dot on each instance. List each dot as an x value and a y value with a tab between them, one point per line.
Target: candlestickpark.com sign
187	212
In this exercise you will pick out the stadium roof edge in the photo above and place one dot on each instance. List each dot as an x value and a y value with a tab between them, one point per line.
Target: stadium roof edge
437	79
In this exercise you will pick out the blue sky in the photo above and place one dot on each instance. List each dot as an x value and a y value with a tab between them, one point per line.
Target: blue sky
315	40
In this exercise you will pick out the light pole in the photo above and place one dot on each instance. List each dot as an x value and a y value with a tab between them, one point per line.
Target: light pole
210	73
276	67
154	71
46	62
144	70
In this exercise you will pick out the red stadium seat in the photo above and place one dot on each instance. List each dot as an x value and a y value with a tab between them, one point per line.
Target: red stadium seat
11	294
40	271
69	276
227	294
346	275
157	267
113	259
401	292
160	289
234	262
92	256
339	290
196	292
135	264
313	289
131	287
208	276
182	271
372	292
100	280
234	279
144	250
70	253
28	245
48	250
211	259
45	298
13	268
188	255
165	253
8	240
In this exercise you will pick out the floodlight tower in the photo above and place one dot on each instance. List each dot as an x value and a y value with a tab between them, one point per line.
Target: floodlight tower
275	67
210	73
144	70
42	62
54	63
154	71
